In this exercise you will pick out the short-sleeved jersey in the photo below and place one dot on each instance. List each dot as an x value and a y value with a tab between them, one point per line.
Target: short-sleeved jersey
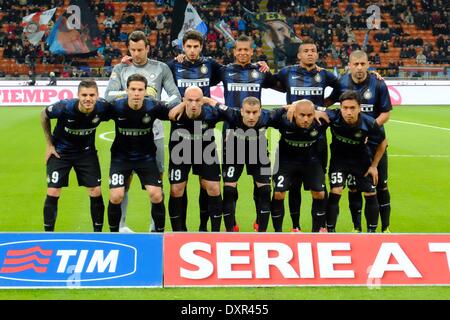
194	129
203	73
298	144
251	141
299	83
374	94
158	76
74	132
349	143
240	82
134	134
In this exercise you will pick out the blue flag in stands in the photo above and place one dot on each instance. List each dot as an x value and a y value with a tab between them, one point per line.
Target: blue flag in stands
76	31
192	21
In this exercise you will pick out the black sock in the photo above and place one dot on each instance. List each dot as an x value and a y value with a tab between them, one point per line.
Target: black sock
215	212
159	216
203	204
355	203
50	212
295	201
114	215
332	211
256	200
176	212
97	213
236	197
184	211
371	212
384	201
277	214
318	212
229	210
264	207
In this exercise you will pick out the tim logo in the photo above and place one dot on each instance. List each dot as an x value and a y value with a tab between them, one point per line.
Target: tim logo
66	259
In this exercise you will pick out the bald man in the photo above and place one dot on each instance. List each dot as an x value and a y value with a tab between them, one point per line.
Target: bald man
375	102
192	145
299	157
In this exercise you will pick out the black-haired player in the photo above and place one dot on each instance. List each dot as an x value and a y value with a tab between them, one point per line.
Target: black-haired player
72	145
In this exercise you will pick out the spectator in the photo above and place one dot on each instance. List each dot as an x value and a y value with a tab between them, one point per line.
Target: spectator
421	58
351	37
377	59
52	79
109	22
409	19
32	78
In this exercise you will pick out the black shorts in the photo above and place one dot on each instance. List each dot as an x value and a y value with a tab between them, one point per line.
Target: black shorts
311	174
259	172
179	172
342	174
147	172
86	167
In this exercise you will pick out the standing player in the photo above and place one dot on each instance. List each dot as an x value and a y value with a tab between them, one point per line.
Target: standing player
306	81
300	157
243	79
376	102
134	149
192	140
158	76
72	144
246	144
351	160
191	69
203	72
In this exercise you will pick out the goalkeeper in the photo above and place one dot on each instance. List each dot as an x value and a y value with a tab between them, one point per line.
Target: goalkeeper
159	77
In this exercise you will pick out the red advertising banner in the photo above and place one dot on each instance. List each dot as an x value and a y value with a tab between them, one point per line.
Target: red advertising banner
247	259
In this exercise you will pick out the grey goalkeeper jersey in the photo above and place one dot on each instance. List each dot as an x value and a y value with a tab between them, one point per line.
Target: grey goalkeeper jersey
158	76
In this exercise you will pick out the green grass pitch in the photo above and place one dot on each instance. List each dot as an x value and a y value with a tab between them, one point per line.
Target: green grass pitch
419	160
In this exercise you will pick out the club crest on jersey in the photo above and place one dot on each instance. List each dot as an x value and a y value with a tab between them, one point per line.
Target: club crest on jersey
358	134
96	119
314	133
318	78
367	95
146	118
255	74
204	69
152	76
204	125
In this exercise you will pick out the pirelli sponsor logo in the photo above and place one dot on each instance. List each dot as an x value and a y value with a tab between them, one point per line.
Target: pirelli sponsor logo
248	87
185	83
79	132
366	107
306	91
134	132
299	144
347	140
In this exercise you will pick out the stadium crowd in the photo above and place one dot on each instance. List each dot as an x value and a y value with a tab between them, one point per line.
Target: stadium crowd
412	32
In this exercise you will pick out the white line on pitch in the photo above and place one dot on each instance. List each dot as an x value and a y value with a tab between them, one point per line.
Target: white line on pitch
420	125
420	155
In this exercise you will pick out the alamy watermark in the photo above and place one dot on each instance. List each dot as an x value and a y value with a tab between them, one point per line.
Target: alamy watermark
249	146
